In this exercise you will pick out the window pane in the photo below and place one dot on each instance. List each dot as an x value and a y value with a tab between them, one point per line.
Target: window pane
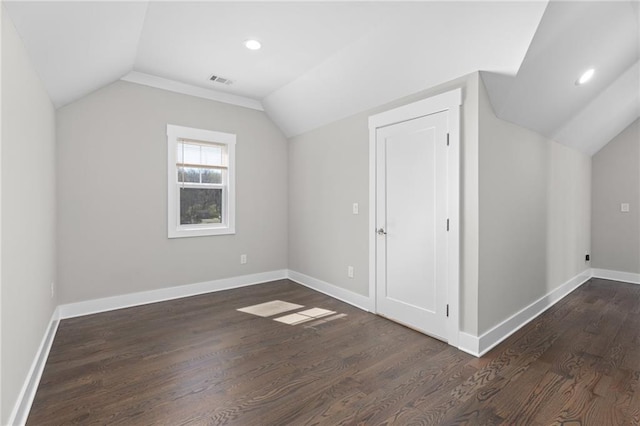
191	154
200	205
211	176
212	155
187	174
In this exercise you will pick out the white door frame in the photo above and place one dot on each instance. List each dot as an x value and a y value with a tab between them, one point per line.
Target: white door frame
449	102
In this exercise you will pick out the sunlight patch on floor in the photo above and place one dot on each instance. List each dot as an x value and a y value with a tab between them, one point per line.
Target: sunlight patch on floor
293	319
276	307
304	316
268	309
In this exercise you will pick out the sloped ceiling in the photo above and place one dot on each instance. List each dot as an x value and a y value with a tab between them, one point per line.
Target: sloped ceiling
418	46
78	47
322	61
543	95
190	42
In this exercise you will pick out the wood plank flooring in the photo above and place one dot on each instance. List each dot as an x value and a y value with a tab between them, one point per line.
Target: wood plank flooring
198	361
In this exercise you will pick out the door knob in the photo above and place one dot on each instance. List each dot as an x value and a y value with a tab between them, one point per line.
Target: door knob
381	231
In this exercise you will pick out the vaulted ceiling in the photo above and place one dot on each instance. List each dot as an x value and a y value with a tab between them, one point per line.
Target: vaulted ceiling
322	61
571	38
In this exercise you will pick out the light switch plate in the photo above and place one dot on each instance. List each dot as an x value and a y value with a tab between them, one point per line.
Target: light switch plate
624	207
356	208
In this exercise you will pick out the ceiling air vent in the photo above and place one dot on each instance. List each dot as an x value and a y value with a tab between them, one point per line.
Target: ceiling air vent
221	80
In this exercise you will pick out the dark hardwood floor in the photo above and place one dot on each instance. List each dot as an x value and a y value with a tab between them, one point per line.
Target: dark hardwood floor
198	361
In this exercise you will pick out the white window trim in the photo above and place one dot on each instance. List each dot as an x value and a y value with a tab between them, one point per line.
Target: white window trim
174	229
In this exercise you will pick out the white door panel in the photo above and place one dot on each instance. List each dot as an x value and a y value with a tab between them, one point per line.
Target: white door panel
411	211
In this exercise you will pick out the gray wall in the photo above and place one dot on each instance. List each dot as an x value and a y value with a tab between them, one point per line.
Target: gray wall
328	172
534	216
112	188
616	180
28	215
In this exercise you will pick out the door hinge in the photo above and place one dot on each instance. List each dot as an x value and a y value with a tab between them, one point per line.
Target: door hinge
447	310
447	139
447	225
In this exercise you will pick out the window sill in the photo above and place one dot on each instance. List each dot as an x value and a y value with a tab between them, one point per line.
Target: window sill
200	232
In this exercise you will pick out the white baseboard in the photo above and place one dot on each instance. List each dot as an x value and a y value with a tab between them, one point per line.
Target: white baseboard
479	346
347	296
469	343
627	277
20	412
105	304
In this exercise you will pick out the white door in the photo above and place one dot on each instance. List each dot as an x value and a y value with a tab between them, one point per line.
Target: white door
411	223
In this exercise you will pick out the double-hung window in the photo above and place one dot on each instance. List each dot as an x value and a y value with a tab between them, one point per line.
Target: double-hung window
201	182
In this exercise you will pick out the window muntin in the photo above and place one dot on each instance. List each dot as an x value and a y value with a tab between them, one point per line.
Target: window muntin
201	183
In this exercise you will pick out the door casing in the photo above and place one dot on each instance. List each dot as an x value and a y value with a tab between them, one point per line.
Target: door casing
448	102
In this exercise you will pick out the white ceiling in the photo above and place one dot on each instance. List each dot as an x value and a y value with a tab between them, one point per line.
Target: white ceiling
190	42
322	61
78	47
420	45
573	37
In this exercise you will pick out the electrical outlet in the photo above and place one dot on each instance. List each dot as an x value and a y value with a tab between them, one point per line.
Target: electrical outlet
53	289
243	259
350	271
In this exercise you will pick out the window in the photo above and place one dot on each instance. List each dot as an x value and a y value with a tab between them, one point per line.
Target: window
201	182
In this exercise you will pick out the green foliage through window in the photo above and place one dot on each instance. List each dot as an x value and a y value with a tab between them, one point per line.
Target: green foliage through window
200	205
196	175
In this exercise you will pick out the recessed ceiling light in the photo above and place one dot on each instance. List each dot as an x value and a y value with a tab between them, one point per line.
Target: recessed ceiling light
585	77
252	44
